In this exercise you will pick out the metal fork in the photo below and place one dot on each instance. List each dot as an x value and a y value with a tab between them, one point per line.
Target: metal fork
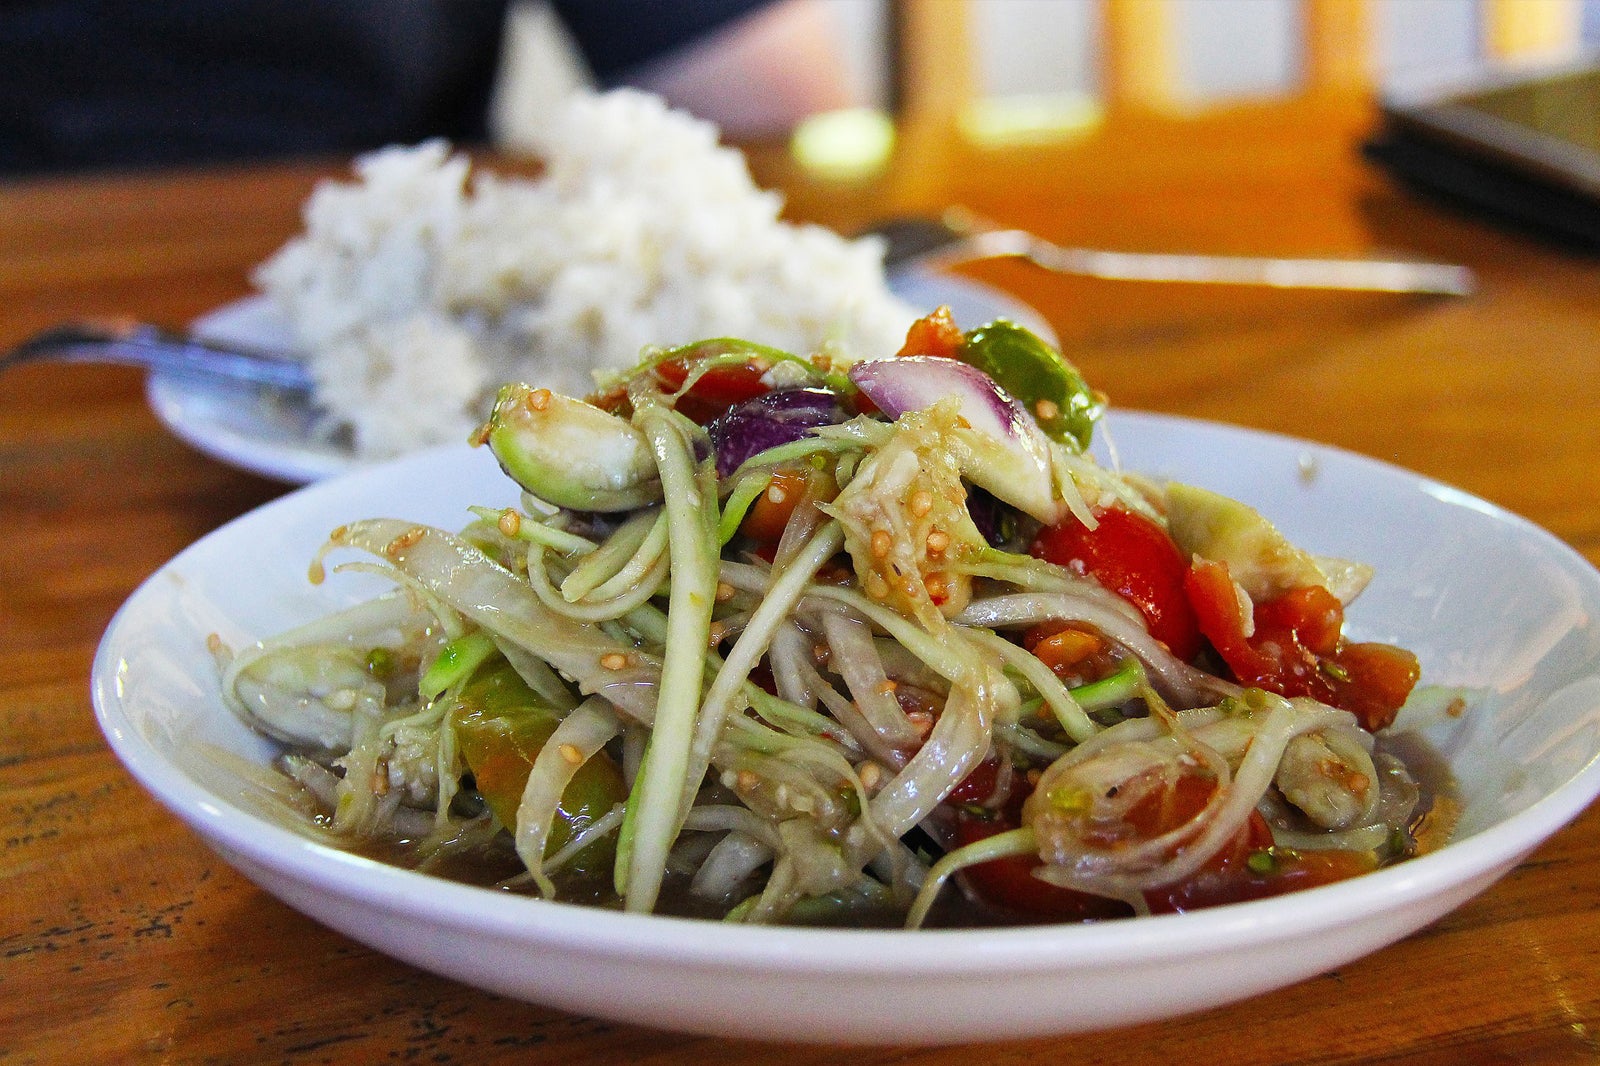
141	344
961	236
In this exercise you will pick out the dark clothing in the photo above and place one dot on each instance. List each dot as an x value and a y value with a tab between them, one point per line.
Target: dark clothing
127	83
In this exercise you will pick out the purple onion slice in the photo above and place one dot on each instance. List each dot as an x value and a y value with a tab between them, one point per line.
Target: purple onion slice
774	418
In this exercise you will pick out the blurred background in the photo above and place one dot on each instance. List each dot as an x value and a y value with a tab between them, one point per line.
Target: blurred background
1017	64
88	84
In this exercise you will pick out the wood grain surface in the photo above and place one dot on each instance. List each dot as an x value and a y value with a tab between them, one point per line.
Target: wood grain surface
123	939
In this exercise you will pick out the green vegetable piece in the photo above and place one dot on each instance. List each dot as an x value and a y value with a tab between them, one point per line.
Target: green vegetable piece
1038	377
570	453
501	727
455	662
1262	862
1115	688
739	503
380	663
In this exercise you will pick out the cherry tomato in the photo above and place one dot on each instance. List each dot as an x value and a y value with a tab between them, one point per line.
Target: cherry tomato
716	390
1134	557
1296	648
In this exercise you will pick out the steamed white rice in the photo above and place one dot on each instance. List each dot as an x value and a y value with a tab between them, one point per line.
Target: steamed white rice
414	292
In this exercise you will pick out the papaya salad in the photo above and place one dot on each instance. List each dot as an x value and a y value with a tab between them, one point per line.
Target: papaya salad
781	638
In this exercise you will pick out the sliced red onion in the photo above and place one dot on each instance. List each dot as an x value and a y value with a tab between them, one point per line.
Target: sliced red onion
913	382
1015	465
774	418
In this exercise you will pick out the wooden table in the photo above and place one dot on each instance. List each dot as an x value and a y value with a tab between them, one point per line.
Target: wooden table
123	939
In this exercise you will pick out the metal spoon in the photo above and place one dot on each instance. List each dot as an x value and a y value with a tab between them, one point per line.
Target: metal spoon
960	236
140	344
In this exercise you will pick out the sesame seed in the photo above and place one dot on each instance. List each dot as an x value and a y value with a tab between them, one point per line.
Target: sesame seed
748	781
725	592
510	522
538	399
571	754
921	721
613	660
871	775
397	547
921	502
776	493
881	543
1047	409
888	684
938	540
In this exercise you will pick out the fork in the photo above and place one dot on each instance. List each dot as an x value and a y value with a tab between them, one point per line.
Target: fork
961	236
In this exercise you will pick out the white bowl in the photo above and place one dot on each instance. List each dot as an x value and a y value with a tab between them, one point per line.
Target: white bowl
1485	599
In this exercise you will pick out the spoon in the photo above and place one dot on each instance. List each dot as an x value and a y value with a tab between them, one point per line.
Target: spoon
140	344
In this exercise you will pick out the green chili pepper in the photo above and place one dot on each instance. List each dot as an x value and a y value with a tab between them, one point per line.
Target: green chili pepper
1037	375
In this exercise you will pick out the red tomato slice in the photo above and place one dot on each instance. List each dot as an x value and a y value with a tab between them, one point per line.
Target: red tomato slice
1290	872
978	785
1374	681
770	513
934	334
1009	883
1134	557
718	389
1296	648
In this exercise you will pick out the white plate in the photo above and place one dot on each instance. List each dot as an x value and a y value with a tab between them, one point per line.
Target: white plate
1484	598
241	427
